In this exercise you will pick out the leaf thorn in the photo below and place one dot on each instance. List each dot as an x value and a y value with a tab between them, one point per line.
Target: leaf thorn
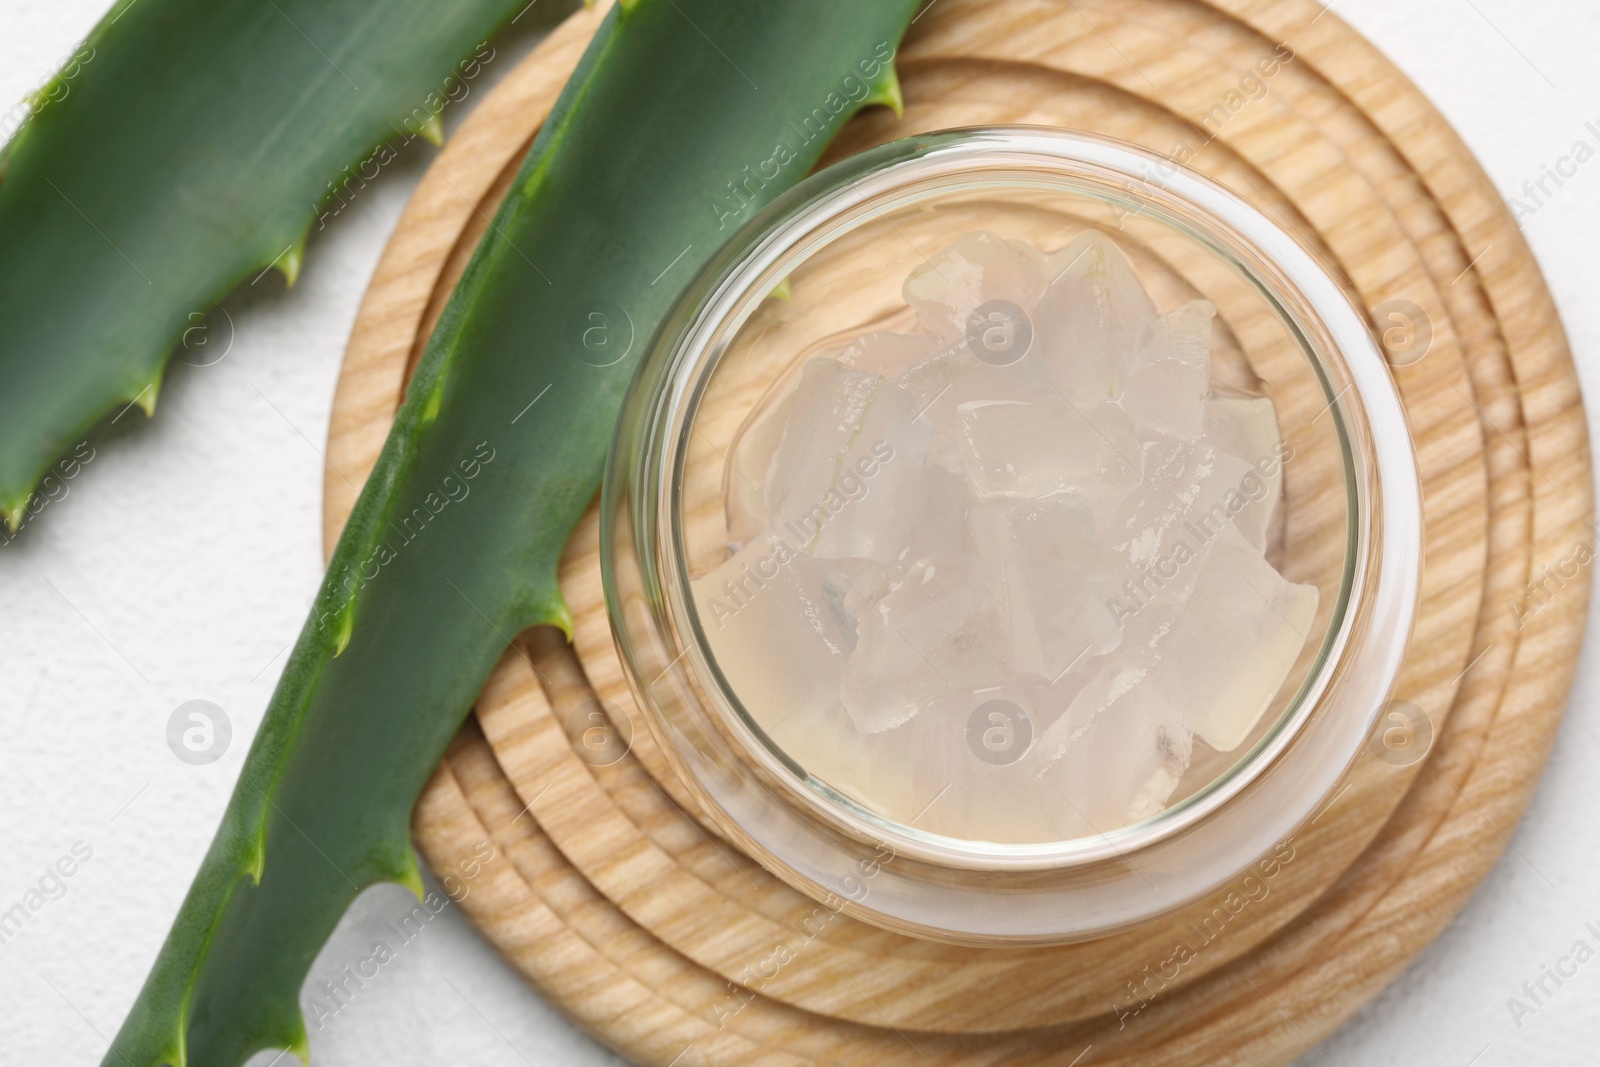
293	258
411	877
146	397
16	512
433	130
886	91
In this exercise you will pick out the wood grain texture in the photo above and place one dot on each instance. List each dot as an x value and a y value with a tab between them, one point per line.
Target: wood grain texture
619	901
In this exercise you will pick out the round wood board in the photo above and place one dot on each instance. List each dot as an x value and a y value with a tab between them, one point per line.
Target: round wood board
620	903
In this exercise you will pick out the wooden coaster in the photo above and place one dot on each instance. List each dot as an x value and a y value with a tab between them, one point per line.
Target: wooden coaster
624	907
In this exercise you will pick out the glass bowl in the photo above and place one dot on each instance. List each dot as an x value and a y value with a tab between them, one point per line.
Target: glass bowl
859	820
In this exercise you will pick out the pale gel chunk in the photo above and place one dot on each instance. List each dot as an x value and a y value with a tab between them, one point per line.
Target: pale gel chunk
1247	428
1093	321
1015	448
1012	599
1166	390
942	627
976	268
845	429
745	474
766	589
1225	660
1163	528
1058	578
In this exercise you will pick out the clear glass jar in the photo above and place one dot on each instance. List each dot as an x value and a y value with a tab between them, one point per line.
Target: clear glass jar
836	250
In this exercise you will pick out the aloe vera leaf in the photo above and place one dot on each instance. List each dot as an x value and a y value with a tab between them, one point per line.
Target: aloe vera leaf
452	547
185	147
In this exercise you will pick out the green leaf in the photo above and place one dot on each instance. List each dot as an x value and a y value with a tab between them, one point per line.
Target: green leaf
452	547
185	147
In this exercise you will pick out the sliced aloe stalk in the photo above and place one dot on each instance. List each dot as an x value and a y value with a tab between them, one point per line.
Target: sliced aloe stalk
452	547
187	146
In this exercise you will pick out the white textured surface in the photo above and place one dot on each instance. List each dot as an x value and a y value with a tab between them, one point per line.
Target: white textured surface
182	560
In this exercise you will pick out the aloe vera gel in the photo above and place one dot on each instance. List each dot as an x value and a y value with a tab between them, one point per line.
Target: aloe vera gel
1001	576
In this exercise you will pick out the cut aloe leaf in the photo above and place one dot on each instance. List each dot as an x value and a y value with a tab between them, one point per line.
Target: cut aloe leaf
452	547
186	147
